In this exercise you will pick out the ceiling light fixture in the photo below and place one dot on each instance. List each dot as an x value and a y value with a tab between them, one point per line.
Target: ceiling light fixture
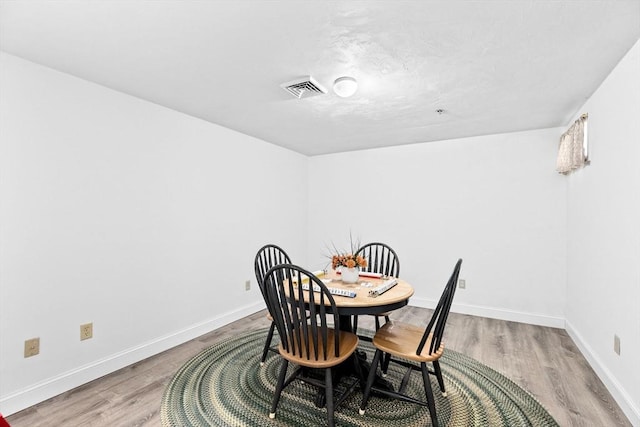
345	86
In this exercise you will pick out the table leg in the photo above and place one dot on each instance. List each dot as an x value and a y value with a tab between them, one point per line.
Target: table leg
358	363
356	366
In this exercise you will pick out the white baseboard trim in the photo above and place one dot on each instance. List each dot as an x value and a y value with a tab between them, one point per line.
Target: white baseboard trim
54	386
496	313
39	392
618	392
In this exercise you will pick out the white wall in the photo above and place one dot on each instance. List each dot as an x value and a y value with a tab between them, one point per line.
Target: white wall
495	201
123	213
141	219
603	291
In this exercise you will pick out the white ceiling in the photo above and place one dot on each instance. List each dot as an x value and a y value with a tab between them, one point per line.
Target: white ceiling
493	66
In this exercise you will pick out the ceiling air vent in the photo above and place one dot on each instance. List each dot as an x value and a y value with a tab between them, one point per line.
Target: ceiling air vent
303	87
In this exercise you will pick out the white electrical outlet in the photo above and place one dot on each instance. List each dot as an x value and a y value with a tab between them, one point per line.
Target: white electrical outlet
86	331
462	284
31	347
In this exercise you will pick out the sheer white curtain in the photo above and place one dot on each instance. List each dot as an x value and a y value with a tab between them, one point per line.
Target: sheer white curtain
573	151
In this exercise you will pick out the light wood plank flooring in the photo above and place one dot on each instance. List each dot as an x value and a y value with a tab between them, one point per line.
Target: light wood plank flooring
544	361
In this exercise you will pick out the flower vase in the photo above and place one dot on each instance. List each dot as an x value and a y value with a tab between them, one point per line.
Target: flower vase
350	275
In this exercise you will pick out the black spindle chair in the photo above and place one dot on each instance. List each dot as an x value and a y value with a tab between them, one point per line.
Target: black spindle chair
416	344
268	256
381	259
305	336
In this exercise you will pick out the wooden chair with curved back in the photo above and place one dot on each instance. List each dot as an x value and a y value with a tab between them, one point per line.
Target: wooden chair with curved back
418	345
305	336
381	259
268	256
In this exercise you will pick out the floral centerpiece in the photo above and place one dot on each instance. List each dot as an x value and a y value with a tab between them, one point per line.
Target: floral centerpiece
350	266
348	261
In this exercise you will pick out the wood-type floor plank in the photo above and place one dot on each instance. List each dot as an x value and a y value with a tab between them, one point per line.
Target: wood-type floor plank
542	360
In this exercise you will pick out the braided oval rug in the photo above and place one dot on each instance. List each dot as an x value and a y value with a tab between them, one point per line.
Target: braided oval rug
225	386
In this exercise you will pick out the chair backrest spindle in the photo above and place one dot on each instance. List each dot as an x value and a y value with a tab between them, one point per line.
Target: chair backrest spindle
303	326
381	258
438	320
268	256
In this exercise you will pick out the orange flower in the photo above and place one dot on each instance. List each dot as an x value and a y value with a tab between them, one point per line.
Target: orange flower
348	260
335	261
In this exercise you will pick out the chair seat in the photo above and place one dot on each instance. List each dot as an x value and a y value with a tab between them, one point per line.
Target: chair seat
348	344
401	340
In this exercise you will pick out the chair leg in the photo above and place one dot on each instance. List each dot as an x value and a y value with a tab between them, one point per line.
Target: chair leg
387	357
328	391
431	403
355	325
279	387
359	371
436	368
267	343
370	379
385	364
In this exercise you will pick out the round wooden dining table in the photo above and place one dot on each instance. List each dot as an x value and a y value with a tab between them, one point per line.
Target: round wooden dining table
363	303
